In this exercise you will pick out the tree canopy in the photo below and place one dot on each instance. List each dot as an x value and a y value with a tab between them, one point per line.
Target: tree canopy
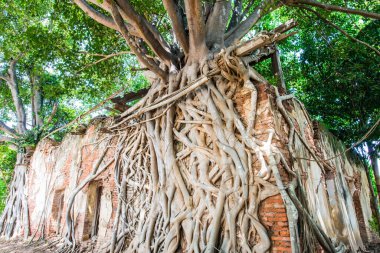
77	59
58	51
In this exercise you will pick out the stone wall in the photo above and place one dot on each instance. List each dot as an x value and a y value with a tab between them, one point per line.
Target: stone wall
337	191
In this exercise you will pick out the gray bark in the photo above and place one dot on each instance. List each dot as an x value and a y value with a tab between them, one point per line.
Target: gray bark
373	156
216	24
36	102
13	86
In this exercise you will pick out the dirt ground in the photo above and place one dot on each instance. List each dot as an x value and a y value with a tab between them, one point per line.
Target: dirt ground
18	246
41	246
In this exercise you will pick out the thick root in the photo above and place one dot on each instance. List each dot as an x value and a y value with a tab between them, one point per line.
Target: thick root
189	170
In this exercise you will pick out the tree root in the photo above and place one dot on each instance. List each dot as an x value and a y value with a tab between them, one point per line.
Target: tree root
185	172
15	217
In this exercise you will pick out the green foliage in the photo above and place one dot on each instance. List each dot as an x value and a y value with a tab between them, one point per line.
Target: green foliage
373	180
374	225
29	139
58	44
335	77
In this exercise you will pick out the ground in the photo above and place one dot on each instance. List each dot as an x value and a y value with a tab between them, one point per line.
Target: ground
40	246
18	246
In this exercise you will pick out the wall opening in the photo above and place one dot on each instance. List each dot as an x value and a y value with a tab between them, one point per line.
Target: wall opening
91	223
95	221
60	210
57	211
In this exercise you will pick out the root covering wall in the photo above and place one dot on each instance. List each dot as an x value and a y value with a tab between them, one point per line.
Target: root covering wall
337	189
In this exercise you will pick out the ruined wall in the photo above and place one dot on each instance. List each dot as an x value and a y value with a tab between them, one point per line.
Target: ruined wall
337	190
55	171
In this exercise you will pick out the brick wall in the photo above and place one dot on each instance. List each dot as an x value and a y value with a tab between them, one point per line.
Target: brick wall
272	213
360	217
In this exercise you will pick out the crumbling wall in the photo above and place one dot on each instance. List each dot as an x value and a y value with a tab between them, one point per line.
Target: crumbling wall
337	186
337	189
55	171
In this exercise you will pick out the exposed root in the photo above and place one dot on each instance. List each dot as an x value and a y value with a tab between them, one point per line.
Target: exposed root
190	171
15	217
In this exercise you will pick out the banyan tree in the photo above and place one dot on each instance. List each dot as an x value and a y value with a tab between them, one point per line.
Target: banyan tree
202	166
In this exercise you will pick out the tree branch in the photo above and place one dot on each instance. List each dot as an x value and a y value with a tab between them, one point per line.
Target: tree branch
53	112
328	22
4	78
11	143
121	102
152	38
13	86
106	5
216	23
196	26
124	31
7	129
246	10
179	29
276	35
137	25
104	58
101	18
94	14
4	138
237	12
243	28
36	99
330	7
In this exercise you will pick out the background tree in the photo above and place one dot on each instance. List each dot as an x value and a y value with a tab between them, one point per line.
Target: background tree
341	86
335	75
44	70
7	161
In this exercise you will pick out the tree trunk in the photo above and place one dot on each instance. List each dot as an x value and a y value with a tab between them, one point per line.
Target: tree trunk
37	104
373	156
198	189
13	86
15	217
374	199
192	168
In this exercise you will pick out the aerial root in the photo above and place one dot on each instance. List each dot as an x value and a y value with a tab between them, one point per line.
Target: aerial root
190	173
16	208
190	205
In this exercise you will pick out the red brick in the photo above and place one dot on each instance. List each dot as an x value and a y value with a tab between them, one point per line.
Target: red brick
282	249
277	218
284	233
280	238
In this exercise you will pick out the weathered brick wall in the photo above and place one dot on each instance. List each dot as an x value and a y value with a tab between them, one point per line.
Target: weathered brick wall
360	217
56	169
272	213
54	173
